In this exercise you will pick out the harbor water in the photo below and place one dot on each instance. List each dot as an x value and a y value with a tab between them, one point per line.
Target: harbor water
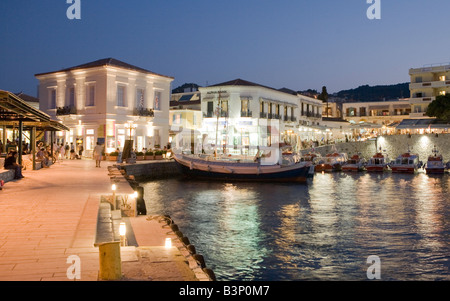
323	230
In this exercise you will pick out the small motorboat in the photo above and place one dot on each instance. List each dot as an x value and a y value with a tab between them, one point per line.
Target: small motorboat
355	163
331	162
378	163
435	163
406	163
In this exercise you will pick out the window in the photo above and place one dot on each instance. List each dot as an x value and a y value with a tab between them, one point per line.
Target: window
53	99
210	109
90	97
140	98
157	101
176	118
442	93
261	107
244	105
121	96
224	111
418	79
72	97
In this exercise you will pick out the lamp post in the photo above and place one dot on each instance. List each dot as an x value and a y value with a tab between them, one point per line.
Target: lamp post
130	126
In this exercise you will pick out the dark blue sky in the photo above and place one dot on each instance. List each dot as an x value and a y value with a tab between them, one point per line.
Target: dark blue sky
296	44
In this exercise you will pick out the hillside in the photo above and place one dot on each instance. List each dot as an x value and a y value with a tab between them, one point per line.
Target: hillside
375	93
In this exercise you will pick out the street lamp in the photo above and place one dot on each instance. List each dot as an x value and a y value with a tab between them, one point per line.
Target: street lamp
130	126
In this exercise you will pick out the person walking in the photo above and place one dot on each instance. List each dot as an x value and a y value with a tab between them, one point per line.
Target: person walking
62	151
98	150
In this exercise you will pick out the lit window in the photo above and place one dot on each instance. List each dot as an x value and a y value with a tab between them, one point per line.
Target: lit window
121	96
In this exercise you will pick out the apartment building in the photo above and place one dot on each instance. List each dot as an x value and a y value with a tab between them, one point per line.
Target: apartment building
427	83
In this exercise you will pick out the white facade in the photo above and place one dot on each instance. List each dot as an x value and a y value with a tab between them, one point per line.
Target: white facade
427	83
252	115
99	100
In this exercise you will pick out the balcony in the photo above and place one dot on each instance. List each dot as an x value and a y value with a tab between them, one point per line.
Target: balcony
262	115
143	112
434	84
67	110
246	114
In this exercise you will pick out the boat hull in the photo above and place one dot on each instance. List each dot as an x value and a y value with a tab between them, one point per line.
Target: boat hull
380	168
404	169
435	170
353	168
247	172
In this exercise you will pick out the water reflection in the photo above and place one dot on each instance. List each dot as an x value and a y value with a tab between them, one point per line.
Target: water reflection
324	230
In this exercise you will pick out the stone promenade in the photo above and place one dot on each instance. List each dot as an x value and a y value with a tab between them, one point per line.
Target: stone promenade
52	213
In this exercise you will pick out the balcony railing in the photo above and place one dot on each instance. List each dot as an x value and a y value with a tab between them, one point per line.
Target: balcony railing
262	115
67	110
246	114
144	112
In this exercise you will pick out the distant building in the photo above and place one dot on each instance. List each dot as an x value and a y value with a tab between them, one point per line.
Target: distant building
378	112
242	115
108	101
427	83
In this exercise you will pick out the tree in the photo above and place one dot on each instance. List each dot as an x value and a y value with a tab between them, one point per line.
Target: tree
440	108
324	97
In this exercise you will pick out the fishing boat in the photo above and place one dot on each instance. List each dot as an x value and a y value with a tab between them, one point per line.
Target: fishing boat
230	168
355	164
435	163
331	162
406	163
378	163
313	158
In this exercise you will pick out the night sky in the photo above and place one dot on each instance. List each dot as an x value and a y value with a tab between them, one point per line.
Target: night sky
295	44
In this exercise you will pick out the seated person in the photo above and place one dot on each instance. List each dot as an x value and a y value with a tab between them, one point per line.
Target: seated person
10	163
43	157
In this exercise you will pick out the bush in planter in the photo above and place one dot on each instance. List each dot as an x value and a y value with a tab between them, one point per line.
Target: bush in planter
158	154
149	155
140	156
113	156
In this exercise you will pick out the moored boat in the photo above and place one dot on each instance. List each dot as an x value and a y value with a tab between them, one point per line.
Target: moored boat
378	163
435	163
331	162
355	163
230	169
406	163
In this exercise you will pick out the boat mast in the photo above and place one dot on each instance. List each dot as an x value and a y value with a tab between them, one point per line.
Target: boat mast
218	111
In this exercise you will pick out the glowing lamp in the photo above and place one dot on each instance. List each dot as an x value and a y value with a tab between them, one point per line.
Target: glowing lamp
168	243
122	229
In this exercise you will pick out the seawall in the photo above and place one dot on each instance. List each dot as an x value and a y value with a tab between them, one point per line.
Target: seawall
151	170
393	145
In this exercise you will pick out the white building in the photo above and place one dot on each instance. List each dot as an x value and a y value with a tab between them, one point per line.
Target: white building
242	115
108	101
427	83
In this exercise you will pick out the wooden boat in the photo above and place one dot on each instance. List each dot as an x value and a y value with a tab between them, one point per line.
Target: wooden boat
331	162
355	164
435	163
406	163
378	163
230	169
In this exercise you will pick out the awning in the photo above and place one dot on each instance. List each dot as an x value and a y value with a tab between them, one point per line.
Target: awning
13	110
402	106
422	124
378	108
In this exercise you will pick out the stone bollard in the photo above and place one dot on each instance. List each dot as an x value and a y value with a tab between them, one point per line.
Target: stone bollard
110	261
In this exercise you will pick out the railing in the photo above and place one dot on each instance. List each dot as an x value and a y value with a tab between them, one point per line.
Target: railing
246	114
67	110
143	112
262	115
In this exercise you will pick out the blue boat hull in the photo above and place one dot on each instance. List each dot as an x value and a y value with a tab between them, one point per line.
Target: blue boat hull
293	175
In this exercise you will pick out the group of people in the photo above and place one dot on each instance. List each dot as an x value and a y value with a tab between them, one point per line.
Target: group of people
68	151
